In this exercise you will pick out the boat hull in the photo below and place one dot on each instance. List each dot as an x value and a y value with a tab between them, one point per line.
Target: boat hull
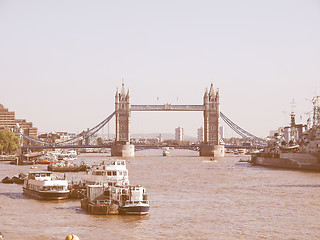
299	161
67	169
135	210
99	209
46	195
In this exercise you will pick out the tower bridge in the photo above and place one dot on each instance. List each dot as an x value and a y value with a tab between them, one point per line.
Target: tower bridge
211	145
211	112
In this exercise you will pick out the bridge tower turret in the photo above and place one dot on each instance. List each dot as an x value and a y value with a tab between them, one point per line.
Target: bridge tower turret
211	144
122	108
122	145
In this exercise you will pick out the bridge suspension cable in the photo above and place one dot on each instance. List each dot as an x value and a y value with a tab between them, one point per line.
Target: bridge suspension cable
78	138
243	133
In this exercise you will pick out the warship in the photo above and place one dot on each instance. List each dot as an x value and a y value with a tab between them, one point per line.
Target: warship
296	146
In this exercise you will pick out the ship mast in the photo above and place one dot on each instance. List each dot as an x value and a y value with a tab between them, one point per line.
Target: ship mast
293	116
316	111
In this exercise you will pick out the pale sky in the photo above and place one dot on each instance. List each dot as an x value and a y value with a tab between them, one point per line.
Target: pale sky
61	61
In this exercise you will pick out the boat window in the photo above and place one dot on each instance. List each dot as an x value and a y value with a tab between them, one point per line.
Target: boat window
120	173
114	173
125	173
109	173
122	163
110	183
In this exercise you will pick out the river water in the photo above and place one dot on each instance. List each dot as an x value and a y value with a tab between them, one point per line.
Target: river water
191	197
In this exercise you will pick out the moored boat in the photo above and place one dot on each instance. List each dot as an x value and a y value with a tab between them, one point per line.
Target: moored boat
98	201
19	179
132	200
109	173
43	185
7	180
66	166
69	155
297	148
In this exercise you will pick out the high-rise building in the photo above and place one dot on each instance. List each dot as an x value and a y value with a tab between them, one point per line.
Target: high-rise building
179	133
221	131
200	134
9	122
7	119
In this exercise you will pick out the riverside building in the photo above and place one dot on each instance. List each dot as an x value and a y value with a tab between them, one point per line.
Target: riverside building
9	122
179	133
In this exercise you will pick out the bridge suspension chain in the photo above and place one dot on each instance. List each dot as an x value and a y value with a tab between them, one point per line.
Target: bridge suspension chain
76	139
243	133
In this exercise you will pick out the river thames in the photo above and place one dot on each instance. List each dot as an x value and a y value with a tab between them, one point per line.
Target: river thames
191	197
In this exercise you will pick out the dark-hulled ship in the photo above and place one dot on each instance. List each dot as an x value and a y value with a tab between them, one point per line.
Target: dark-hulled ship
296	147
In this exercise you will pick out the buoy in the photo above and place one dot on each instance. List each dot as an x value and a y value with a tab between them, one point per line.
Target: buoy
72	237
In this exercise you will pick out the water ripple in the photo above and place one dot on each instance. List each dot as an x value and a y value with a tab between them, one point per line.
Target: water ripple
13	195
296	185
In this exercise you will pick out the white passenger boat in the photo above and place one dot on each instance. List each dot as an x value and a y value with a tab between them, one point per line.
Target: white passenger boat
43	185
108	173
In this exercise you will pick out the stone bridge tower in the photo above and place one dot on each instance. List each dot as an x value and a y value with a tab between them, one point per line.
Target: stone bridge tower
122	145
211	144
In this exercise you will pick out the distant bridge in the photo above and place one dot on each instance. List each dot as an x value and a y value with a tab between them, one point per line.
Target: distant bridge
210	108
137	146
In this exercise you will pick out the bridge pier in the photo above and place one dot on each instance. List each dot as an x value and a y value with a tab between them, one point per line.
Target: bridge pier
212	150
119	150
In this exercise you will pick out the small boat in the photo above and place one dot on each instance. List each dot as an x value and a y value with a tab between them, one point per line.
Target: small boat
98	202
165	153
132	200
7	180
66	166
43	185
26	159
45	159
19	179
69	155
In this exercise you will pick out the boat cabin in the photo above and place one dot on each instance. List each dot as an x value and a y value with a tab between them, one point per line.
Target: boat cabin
40	175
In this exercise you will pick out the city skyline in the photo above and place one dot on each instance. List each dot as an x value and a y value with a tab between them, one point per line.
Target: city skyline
63	61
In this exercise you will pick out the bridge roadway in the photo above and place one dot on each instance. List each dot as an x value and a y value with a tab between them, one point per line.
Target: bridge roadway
167	107
137	146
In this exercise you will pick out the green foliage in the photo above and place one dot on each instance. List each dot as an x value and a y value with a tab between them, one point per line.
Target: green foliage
99	141
9	143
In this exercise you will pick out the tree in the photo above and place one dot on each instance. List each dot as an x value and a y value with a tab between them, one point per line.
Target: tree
99	141
9	143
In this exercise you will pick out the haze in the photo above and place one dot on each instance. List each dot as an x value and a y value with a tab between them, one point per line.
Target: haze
61	61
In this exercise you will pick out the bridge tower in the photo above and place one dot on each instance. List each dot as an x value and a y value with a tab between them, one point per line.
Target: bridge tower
211	144
122	146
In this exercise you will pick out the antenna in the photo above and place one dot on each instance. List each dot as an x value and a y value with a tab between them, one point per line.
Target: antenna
293	105
316	110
